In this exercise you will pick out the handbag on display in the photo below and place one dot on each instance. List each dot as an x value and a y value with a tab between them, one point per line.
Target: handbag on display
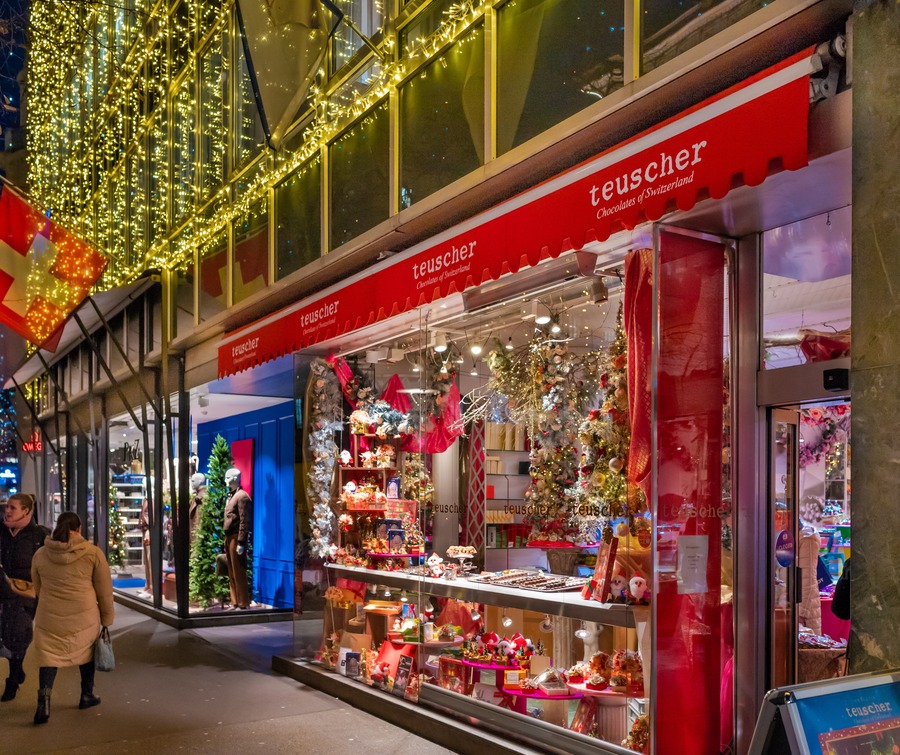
222	565
104	660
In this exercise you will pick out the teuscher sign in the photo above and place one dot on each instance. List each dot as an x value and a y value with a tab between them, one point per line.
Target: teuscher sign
703	151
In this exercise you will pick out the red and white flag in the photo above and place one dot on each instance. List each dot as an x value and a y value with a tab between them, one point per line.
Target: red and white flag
45	271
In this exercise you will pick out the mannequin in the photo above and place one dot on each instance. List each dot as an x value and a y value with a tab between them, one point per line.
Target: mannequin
198	490
144	521
237	528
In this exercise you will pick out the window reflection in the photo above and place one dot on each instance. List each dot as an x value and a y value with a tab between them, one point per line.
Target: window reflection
442	120
359	177
299	231
670	28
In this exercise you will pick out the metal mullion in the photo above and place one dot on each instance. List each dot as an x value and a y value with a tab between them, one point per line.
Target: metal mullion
60	390
490	90
34	416
632	52
325	203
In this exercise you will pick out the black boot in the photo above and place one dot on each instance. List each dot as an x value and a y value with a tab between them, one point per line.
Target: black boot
9	693
42	714
88	700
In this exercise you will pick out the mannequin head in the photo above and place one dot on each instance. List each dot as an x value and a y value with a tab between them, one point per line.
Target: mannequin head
233	478
197	481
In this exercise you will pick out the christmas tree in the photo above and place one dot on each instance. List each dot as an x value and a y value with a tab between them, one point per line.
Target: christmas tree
118	553
204	586
606	439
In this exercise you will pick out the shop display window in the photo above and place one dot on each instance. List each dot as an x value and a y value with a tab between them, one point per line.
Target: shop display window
806	291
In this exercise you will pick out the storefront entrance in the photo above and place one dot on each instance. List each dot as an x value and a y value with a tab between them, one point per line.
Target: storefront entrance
809	540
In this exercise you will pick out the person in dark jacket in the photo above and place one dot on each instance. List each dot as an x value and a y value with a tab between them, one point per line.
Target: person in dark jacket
840	601
20	537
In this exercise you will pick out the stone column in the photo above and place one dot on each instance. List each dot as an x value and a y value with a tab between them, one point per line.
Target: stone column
875	363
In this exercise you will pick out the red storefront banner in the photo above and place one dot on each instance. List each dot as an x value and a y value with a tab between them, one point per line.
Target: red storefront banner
740	136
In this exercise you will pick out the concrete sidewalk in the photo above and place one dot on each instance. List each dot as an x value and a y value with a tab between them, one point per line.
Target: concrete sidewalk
206	690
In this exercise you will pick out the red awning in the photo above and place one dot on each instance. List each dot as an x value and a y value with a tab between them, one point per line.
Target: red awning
740	136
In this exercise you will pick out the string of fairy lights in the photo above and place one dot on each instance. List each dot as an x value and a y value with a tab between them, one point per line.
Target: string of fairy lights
93	148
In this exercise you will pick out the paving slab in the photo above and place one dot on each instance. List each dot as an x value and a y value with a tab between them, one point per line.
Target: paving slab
195	691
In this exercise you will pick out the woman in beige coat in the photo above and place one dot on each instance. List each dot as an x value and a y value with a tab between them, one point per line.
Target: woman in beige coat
74	590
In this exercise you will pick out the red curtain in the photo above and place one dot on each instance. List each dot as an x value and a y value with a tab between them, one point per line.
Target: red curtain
638	318
689	477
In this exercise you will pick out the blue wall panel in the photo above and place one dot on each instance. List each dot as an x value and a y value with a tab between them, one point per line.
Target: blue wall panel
272	431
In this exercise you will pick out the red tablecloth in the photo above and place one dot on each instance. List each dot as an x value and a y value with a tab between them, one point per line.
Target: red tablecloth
837	629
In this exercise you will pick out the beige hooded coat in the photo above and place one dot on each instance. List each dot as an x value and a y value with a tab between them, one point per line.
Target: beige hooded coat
74	591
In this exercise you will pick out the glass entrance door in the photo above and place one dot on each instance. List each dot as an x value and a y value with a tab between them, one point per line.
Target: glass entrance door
784	444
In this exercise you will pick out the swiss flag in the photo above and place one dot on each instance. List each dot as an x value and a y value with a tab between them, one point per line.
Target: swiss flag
45	271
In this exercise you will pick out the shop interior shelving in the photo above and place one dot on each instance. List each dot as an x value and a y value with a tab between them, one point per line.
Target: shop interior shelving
567	604
129	490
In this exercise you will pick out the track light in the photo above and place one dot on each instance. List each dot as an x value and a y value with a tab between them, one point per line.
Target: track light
555	328
542	319
582	632
506	620
546	626
440	343
599	292
475	615
509	344
475	349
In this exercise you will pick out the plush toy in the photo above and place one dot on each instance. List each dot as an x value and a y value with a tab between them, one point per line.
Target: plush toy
368	459
344	459
617	587
638	589
434	563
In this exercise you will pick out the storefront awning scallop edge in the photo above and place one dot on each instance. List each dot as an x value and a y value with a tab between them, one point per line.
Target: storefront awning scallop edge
740	136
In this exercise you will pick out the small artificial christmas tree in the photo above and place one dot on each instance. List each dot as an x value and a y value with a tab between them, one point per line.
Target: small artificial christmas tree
205	586
118	552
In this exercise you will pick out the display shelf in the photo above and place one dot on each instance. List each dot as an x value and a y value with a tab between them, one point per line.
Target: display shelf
569	604
541	695
394	555
583	689
487	666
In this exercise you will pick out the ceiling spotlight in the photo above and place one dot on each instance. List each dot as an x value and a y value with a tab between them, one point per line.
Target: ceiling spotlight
443	368
546	625
387	592
509	344
506	620
475	349
416	367
475	615
460	360
404	598
440	343
582	632
474	371
555	328
542	319
599	292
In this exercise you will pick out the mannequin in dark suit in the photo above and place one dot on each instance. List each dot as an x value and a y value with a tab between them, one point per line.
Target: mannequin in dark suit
237	528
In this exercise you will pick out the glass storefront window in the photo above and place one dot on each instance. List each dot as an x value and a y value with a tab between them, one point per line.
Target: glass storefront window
466	531
159	178
246	126
359	177
425	23
212	117
251	253
184	292
554	58
137	204
184	155
806	290
213	263
298	208
442	120
669	29
368	15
